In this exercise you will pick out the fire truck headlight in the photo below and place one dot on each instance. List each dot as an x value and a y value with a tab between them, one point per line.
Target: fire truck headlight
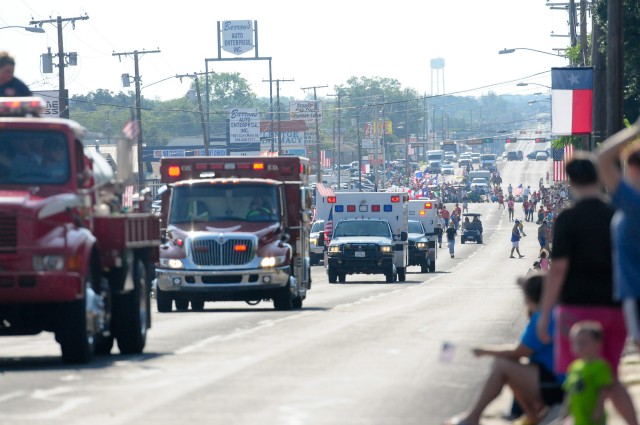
171	263
268	262
48	262
335	249
386	248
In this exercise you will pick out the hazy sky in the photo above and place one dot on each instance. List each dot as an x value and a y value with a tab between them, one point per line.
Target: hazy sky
314	43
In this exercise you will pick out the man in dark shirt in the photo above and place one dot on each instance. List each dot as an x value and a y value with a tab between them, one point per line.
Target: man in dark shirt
9	85
580	283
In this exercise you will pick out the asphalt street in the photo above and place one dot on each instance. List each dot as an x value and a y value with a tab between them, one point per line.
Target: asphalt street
363	352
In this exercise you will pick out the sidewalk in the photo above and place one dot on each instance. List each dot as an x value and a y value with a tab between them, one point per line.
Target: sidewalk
629	375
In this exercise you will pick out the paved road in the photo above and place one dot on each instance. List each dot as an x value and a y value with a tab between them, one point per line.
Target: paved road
365	352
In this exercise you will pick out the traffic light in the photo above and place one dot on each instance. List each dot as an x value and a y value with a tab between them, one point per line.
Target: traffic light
511	140
540	140
487	140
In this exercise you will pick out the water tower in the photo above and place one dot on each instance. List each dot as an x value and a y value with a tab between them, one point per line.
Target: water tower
437	65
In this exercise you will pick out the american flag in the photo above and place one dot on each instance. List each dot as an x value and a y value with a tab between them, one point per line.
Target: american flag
560	158
127	197
328	227
325	158
131	129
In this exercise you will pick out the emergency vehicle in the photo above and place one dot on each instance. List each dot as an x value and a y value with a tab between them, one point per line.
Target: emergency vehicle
236	229
369	235
426	212
325	198
74	259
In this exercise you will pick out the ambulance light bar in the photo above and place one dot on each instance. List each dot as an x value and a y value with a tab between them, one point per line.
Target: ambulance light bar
21	106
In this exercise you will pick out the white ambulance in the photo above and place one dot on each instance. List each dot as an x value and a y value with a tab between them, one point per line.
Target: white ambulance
369	235
426	212
324	199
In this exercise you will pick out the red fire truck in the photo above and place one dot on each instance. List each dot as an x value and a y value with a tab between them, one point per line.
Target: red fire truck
71	261
236	229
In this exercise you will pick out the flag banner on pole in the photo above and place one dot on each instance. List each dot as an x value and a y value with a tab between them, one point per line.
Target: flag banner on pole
131	128
325	158
560	158
328	227
571	100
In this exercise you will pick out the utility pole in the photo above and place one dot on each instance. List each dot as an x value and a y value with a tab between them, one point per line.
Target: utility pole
359	151
315	101
337	155
598	61
406	135
136	79
278	81
615	65
202	122
64	101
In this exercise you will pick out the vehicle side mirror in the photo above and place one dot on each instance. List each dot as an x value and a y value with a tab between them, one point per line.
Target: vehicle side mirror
320	239
404	236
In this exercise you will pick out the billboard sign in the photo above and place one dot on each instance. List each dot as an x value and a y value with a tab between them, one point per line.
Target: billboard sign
306	110
237	36
244	126
52	100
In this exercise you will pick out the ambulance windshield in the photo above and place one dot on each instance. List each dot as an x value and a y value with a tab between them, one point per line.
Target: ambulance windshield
213	202
33	157
362	228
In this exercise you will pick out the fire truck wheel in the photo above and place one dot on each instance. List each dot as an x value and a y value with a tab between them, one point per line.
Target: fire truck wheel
432	267
283	299
402	274
333	276
130	312
75	336
342	278
182	305
197	305
163	301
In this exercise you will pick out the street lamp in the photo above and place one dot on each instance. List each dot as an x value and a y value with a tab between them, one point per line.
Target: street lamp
507	51
30	29
521	84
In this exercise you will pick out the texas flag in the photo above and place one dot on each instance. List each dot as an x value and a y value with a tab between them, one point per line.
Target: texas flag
571	100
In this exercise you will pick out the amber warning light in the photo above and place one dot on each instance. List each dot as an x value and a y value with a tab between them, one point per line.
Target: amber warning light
258	166
427	205
174	171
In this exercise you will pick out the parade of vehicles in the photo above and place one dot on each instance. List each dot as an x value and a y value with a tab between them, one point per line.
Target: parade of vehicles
369	235
472	230
235	229
74	260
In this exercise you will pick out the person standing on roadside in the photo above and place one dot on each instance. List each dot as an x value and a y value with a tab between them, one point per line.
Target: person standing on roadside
10	86
580	284
444	213
510	207
542	234
451	238
515	239
625	227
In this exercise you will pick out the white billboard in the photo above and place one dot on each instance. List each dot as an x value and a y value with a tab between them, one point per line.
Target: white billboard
52	100
237	36
244	126
306	110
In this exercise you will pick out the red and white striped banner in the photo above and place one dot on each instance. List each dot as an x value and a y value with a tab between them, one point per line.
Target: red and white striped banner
559	174
325	158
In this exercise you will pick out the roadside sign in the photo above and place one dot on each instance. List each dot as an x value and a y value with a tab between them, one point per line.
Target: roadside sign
244	126
237	36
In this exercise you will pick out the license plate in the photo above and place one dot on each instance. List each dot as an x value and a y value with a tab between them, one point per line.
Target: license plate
359	253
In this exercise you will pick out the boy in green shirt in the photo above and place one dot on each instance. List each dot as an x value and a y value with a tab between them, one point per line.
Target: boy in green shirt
588	377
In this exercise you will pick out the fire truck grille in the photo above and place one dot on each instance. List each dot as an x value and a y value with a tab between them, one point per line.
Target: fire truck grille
356	250
8	234
232	252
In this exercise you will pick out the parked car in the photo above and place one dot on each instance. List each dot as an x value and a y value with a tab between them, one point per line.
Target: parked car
512	156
